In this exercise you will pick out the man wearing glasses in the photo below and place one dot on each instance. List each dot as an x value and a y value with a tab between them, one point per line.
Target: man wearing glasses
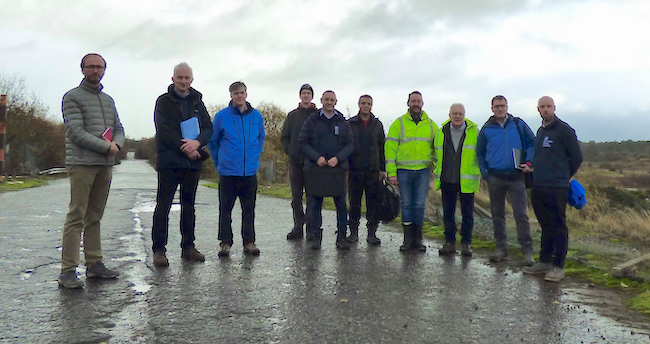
502	138
93	136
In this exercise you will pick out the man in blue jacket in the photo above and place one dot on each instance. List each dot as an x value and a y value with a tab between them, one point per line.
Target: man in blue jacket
557	159
494	150
236	145
179	161
327	141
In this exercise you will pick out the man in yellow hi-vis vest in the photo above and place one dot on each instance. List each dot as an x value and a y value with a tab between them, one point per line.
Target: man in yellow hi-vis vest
409	160
457	173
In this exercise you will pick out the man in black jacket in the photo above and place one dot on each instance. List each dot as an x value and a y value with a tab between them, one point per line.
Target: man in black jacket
180	155
367	167
557	159
327	142
290	132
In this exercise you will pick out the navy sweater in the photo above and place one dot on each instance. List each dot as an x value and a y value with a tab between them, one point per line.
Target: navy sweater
557	155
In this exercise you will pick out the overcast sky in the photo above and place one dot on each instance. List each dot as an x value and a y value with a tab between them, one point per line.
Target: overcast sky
593	57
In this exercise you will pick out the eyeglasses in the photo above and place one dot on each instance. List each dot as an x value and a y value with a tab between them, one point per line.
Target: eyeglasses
95	67
500	106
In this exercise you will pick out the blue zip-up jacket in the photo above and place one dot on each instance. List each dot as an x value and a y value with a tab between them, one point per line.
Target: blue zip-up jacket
237	141
495	144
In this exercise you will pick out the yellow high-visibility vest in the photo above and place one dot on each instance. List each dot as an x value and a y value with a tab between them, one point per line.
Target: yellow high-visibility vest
408	145
470	173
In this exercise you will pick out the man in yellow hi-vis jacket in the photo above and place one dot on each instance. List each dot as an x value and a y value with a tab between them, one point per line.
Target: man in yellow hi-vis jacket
457	173
409	160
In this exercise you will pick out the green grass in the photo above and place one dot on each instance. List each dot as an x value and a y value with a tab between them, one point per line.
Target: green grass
12	185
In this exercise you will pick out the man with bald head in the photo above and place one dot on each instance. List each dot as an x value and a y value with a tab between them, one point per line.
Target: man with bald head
327	142
557	159
179	162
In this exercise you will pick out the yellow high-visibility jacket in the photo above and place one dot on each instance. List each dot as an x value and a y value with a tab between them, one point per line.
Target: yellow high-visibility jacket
408	145
470	173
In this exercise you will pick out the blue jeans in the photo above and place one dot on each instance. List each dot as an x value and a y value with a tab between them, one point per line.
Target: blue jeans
413	189
314	211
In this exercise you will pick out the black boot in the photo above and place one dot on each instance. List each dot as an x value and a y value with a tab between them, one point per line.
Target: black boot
417	239
408	238
372	235
341	242
354	234
295	234
316	239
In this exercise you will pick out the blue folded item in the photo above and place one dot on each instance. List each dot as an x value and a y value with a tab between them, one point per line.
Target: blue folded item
190	128
577	197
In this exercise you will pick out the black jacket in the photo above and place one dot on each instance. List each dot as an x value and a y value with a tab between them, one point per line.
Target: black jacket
168	116
368	151
557	155
291	132
327	138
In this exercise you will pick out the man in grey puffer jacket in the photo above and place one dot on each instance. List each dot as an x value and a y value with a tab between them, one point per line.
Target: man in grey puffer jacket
93	136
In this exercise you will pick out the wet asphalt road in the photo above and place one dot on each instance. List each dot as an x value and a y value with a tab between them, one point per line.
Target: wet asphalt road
289	294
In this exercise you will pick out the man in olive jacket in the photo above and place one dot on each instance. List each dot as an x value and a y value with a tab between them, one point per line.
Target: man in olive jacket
367	168
290	133
327	142
180	156
93	136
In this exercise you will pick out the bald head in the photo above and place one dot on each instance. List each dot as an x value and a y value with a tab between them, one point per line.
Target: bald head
546	108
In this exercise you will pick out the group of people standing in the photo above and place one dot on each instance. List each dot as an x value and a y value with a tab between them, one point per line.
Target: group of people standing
329	156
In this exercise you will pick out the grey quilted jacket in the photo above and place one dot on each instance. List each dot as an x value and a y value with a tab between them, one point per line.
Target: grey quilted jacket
87	112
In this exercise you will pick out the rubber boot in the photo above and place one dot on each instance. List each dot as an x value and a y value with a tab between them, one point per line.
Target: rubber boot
341	241
408	238
295	234
317	238
417	239
354	234
372	236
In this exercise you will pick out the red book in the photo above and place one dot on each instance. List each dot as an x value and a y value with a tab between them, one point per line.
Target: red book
108	134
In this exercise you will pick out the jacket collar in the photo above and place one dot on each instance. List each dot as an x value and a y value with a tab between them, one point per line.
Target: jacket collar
493	120
174	95
422	117
249	109
357	118
88	87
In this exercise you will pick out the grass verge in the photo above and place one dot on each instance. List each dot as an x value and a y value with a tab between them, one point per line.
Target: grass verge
15	185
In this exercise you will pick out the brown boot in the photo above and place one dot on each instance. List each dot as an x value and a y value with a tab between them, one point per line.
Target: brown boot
250	248
224	250
447	248
192	254
159	259
466	250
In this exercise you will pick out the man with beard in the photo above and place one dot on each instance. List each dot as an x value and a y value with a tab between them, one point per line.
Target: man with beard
409	160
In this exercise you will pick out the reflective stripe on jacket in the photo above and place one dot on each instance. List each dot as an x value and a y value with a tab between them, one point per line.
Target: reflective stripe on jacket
408	145
470	174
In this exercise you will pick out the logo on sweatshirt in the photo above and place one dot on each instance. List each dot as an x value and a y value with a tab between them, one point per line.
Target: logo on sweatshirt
547	142
336	130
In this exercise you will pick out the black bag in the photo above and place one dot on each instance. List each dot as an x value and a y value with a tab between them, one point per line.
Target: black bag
325	181
388	202
528	177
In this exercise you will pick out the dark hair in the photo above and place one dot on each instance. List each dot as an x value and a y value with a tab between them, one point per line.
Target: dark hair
499	97
328	92
365	96
236	85
83	59
414	92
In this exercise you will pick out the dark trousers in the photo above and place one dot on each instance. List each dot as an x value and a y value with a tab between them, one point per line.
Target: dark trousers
449	196
168	181
360	181
231	187
315	206
297	181
550	208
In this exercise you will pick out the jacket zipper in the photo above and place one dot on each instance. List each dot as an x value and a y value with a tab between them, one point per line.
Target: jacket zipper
101	105
244	139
